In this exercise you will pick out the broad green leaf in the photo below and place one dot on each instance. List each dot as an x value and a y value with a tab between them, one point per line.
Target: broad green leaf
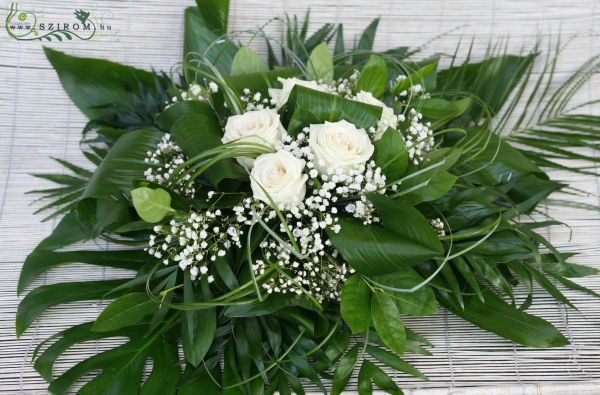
97	86
417	303
373	250
391	155
437	186
505	320
129	309
388	322
200	41
152	205
199	131
198	327
193	383
123	164
326	107
320	65
407	222
445	110
99	216
68	231
247	61
394	361
166	373
418	77
373	77
39	262
46	296
343	371
355	306
215	14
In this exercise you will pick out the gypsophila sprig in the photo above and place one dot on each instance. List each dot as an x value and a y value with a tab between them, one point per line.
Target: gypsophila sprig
166	160
194	242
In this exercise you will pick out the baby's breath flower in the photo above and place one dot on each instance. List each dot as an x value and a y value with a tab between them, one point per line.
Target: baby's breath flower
164	161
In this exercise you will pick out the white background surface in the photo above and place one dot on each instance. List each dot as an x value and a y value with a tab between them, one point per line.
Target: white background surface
37	121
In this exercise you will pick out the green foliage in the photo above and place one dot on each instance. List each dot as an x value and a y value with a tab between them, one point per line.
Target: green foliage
391	155
484	175
355	306
306	106
373	77
152	205
126	311
320	65
247	61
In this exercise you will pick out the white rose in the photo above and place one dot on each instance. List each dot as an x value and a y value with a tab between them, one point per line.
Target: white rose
281	176
388	118
339	144
280	96
261	126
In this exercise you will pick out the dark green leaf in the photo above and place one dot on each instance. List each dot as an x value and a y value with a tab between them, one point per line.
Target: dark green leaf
355	306
123	164
391	155
97	85
200	41
215	13
326	107
198	327
506	321
394	361
127	310
39	262
46	296
373	250
365	43
343	371
373	77
388	322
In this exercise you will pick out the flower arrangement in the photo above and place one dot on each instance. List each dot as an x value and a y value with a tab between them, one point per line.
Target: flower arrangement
282	217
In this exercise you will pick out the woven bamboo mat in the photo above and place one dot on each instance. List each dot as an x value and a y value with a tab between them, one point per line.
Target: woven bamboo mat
37	121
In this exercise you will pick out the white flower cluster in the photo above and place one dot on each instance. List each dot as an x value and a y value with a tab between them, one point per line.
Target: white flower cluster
438	225
418	138
194	92
194	241
345	86
415	90
313	268
255	101
165	160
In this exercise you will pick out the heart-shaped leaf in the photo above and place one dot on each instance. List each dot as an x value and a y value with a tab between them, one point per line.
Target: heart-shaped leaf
152	205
